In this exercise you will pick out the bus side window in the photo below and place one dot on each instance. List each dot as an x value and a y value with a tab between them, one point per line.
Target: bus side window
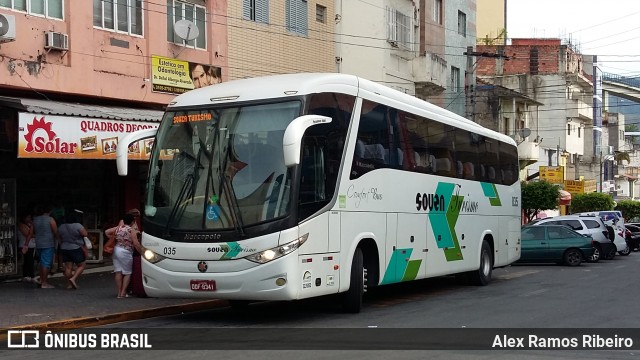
468	170
375	152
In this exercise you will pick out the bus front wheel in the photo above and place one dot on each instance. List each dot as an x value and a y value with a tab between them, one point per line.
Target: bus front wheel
352	298
482	276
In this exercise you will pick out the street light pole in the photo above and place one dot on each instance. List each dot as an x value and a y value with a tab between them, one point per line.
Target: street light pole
601	172
601	167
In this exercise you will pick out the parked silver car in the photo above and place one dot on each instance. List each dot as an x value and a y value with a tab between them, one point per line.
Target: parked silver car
614	218
591	225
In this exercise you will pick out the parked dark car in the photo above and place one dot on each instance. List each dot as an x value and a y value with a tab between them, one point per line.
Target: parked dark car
591	225
633	236
555	243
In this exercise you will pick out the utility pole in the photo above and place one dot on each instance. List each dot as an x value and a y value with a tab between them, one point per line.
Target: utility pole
469	85
470	79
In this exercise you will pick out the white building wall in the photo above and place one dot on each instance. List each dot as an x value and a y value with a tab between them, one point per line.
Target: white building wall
362	47
455	48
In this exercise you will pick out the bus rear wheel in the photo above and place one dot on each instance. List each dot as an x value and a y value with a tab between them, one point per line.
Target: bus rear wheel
482	276
352	298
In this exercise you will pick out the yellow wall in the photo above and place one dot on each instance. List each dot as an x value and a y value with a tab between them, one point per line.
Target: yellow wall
257	49
490	20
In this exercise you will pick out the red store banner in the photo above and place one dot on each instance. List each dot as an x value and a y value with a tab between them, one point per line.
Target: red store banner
68	137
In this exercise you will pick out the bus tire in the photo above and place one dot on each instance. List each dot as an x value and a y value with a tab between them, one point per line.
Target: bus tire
482	276
352	298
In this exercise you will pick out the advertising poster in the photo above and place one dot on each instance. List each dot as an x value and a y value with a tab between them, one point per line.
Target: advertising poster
552	174
580	186
179	76
66	137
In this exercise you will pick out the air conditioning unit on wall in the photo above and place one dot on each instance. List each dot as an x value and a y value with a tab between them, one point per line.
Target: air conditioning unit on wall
7	28
56	41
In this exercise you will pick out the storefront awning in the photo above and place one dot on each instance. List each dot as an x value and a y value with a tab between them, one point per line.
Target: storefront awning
47	107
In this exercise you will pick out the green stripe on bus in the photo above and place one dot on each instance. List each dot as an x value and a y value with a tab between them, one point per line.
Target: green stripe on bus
454	253
412	270
491	192
398	265
443	223
231	250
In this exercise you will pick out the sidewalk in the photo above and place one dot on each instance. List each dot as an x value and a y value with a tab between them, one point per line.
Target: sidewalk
24	305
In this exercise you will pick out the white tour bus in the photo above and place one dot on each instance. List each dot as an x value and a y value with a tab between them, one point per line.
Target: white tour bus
293	186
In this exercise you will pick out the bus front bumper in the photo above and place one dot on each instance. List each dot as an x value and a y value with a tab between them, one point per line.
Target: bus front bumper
275	280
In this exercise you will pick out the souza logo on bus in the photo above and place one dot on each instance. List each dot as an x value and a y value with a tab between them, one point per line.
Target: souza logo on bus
431	202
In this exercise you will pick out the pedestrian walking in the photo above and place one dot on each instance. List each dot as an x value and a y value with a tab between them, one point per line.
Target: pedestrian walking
27	245
126	243
72	247
45	231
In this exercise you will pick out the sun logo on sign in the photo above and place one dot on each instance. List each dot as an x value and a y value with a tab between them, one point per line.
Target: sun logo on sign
35	126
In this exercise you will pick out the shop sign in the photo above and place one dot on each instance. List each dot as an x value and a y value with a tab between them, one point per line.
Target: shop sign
552	174
178	76
589	186
67	137
580	186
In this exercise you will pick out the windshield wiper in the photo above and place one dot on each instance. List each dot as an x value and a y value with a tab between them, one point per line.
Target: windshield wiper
226	185
187	187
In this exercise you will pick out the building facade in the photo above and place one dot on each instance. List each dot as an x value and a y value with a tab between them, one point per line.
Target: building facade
79	75
398	43
268	37
552	74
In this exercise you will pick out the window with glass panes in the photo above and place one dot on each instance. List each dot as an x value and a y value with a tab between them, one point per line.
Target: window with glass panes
118	15
183	10
455	79
48	8
462	23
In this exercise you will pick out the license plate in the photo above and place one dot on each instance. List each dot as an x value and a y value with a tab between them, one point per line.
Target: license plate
203	285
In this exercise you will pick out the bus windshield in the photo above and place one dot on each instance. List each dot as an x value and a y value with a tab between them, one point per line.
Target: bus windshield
220	168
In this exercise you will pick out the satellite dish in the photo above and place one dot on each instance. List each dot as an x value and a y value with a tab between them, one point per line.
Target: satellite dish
186	30
524	133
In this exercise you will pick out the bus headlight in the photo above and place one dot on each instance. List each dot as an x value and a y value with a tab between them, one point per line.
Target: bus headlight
277	252
151	256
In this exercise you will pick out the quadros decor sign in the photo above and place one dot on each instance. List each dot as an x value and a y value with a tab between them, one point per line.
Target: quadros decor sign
63	137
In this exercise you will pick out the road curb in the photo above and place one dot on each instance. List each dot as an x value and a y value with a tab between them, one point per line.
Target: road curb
89	321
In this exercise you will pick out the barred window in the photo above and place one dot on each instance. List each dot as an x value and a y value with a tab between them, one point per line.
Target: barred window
399	29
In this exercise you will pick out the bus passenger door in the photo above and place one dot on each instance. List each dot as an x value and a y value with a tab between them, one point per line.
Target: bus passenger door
408	257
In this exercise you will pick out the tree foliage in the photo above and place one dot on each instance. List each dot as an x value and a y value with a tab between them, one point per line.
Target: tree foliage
538	196
591	202
630	208
622	155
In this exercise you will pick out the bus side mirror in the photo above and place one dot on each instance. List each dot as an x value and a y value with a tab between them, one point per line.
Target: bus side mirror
122	151
293	136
